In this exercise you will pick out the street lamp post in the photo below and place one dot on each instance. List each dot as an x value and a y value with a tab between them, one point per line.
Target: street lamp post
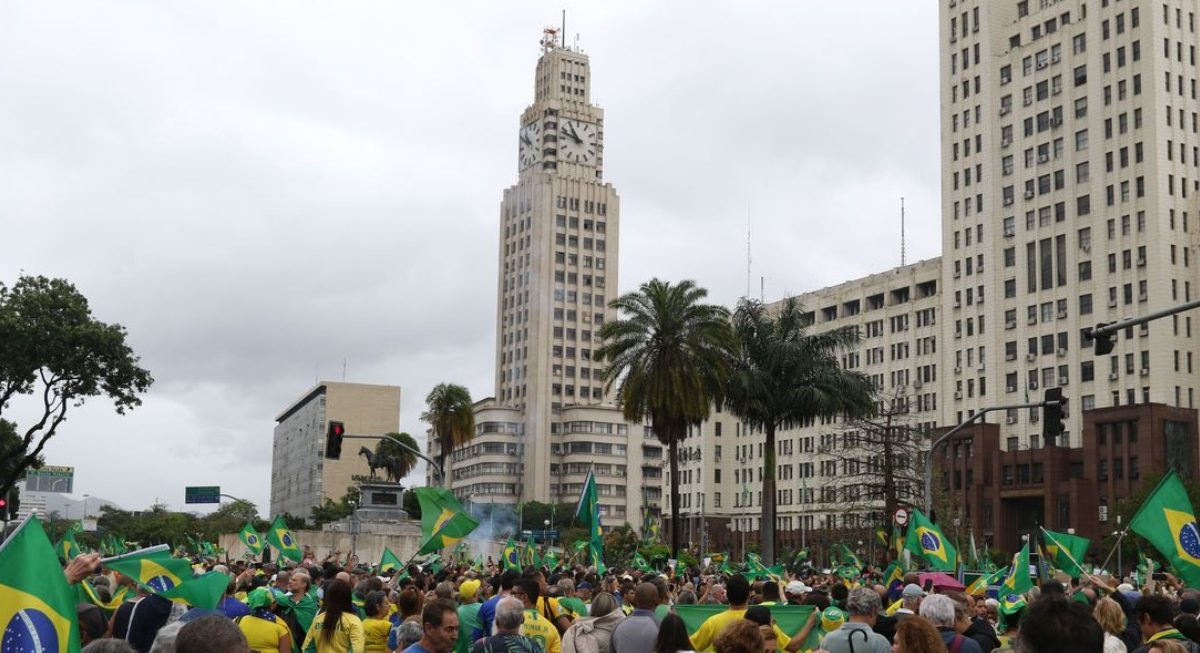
85	505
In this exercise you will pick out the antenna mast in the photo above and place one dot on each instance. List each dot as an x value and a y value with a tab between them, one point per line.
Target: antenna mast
564	29
748	252
901	231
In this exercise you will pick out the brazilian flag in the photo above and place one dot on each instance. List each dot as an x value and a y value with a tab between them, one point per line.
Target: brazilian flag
1018	580
1167	520
1066	551
389	561
980	585
927	540
281	538
154	568
87	594
253	541
68	548
511	556
443	520
37	606
199	592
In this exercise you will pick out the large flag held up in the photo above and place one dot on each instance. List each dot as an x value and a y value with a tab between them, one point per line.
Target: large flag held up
281	538
1066	551
253	541
444	522
37	606
1167	520
588	512
1018	580
155	568
926	540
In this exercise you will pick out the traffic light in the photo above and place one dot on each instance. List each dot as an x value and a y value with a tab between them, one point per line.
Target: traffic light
1103	342
333	440
1053	411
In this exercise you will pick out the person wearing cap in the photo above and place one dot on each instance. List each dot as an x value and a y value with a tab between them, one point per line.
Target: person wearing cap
468	615
264	631
738	590
910	602
795	591
855	635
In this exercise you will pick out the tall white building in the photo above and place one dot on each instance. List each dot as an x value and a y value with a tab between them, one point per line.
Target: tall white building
1070	177
551	420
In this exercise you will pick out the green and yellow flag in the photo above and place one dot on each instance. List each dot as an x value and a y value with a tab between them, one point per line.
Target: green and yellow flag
588	512
1017	581
926	540
1167	520
511	557
253	541
980	585
281	538
443	520
37	606
1066	551
67	547
154	568
86	593
389	561
199	592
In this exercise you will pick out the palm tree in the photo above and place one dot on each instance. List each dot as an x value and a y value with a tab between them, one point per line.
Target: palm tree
404	459
671	353
451	417
782	377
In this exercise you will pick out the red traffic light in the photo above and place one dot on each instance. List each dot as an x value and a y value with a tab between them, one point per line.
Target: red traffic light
3	503
337	428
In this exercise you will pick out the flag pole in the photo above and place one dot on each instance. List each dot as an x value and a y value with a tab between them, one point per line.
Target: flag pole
1116	546
158	548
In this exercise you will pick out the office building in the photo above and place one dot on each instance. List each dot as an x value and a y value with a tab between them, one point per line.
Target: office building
301	477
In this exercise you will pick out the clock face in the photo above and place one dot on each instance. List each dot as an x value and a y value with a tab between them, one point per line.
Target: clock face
529	146
577	142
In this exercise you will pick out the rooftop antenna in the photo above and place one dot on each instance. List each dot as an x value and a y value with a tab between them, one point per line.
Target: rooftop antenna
343	369
748	251
902	232
564	29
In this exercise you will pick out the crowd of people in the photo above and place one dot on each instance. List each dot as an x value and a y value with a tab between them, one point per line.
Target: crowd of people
329	607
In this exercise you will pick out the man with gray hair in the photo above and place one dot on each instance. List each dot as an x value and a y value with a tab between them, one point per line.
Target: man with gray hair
864	605
510	614
947	616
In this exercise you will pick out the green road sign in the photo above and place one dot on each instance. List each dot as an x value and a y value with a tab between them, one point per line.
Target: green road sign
203	494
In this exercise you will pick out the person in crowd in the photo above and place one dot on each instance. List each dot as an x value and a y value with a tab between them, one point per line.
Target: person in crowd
536	626
487	611
509	615
972	627
1055	625
230	606
594	634
863	606
439	625
638	632
738	592
910	601
109	646
740	636
146	616
1187	624
1111	617
265	632
211	634
468	615
917	635
164	641
1154	614
297	606
795	592
672	636
405	635
92	625
946	616
336	629
376	626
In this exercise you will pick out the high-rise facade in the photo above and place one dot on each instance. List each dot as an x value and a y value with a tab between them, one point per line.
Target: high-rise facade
1070	177
551	419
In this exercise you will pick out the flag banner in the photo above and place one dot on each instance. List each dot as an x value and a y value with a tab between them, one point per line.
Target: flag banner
281	538
1168	522
588	511
67	547
845	556
899	542
926	540
154	568
444	522
551	560
389	561
790	619
253	541
881	536
1018	581
86	593
511	557
199	592
893	574
1066	551
37	606
980	585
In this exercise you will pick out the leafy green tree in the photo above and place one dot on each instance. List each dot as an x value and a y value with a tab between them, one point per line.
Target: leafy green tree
403	461
620	544
52	348
330	510
411	504
157	525
669	354
534	515
783	377
230	518
451	416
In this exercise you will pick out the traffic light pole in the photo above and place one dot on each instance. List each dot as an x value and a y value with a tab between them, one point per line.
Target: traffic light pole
433	465
970	420
1102	333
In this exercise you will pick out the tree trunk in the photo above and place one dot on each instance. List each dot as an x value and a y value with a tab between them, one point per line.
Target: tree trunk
443	456
768	498
672	453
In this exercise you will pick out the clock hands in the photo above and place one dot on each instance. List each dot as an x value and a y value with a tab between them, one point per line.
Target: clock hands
525	140
572	134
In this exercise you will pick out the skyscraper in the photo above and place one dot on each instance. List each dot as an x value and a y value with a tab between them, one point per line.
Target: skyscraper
551	419
1069	184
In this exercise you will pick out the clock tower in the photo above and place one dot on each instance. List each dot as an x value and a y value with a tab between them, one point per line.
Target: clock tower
551	419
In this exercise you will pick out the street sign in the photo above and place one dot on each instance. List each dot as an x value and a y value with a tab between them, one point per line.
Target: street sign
202	494
50	478
901	517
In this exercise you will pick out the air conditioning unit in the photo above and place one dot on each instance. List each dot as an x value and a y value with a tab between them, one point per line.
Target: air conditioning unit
1004	110
1031	357
1062	380
1034	416
1043	158
1028	194
954	37
1145	371
1056	90
1112	303
1054	122
1141	261
1032	320
1144	330
1141	296
958	369
1008	201
1027	101
982	366
1011	419
1062	315
1010	357
1033	385
1011	324
958	303
1011	388
1009	232
958	394
957	274
1005	142
980	299
1112	376
957	334
1086	247
917	384
1041	65
1062	351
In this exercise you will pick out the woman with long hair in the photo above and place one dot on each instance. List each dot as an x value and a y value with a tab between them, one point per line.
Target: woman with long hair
916	635
337	629
593	633
1111	617
672	636
376	626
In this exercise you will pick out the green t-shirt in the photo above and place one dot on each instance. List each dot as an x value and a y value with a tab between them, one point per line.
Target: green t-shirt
468	622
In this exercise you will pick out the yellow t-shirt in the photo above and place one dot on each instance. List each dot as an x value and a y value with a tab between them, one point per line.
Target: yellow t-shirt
376	631
349	636
703	639
262	635
540	630
555	609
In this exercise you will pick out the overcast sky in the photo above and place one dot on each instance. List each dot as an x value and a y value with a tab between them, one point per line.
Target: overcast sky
258	190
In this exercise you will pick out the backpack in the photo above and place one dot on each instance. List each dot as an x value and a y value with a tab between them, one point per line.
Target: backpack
956	644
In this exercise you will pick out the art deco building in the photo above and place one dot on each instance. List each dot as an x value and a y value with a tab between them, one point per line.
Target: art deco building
551	419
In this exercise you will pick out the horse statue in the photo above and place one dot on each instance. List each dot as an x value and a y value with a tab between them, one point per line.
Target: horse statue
380	461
